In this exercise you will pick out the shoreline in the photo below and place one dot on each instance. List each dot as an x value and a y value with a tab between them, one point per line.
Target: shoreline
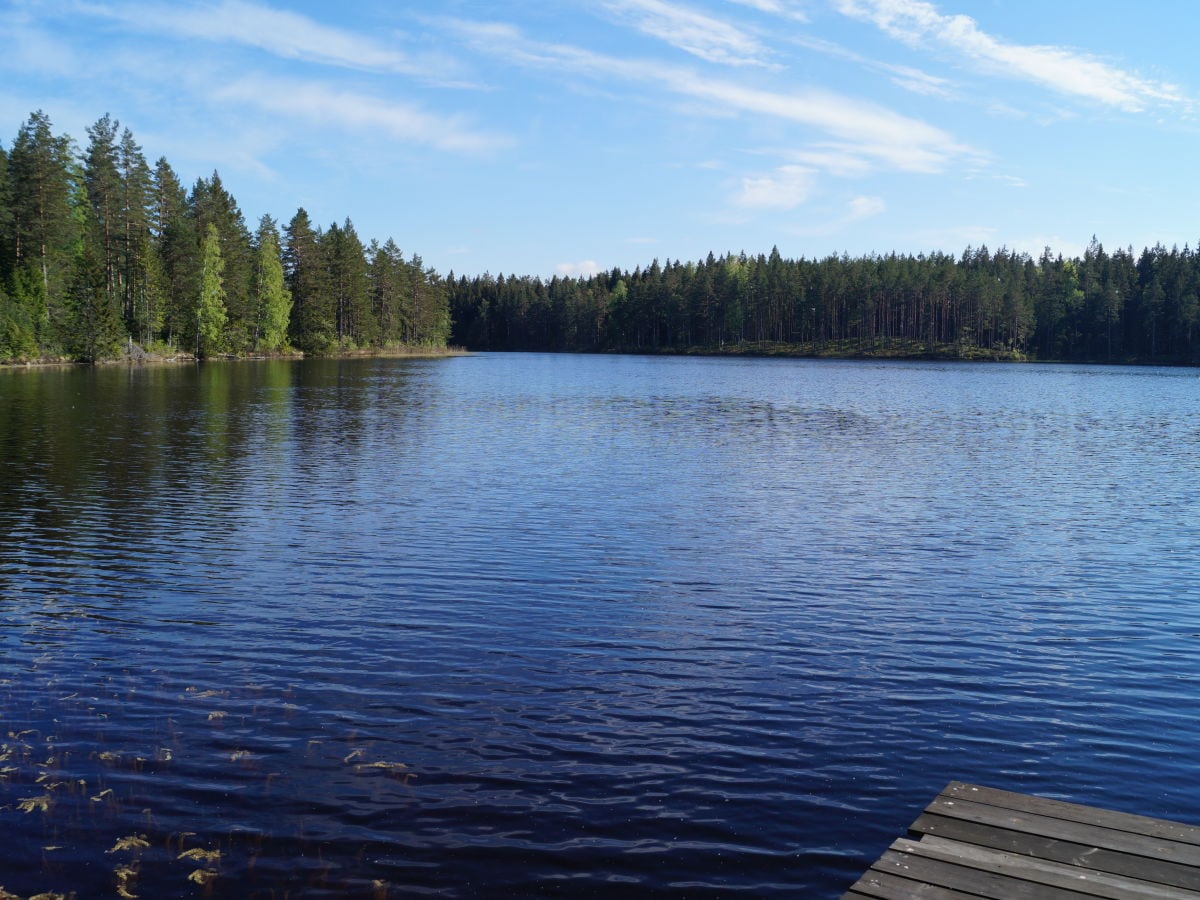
154	359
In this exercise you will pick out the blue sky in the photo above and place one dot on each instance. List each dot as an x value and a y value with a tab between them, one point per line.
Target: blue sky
566	136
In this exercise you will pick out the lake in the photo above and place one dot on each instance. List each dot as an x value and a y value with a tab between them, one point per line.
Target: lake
613	626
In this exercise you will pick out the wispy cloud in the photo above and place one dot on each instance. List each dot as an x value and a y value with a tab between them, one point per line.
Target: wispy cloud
788	8
786	188
321	104
865	129
1061	69
30	49
858	209
701	35
279	32
907	77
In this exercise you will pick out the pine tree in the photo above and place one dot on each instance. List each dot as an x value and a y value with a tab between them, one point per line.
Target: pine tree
312	326
139	291
386	274
45	231
18	338
210	305
348	281
272	298
103	185
177	249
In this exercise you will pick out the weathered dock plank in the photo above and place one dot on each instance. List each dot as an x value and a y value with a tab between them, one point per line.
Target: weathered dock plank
977	841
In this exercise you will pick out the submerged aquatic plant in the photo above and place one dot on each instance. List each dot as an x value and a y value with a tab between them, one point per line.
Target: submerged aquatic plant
29	804
203	876
126	880
133	842
199	854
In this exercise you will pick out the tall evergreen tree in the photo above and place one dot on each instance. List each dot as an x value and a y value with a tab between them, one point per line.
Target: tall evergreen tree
210	305
93	329
346	266
103	184
177	248
387	279
45	231
7	258
272	298
140	292
211	204
312	324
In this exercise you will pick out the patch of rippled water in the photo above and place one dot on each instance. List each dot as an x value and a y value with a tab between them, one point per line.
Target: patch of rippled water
517	625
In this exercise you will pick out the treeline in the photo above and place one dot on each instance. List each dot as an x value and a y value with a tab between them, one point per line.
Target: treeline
1104	306
99	250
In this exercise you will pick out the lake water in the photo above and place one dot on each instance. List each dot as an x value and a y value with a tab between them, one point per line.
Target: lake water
523	625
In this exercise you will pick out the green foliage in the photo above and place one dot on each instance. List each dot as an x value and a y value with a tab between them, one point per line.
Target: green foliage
210	306
93	328
1114	307
18	336
46	227
210	204
312	323
7	248
273	299
104	235
353	319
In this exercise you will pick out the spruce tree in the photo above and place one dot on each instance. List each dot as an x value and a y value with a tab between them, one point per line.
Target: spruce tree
7	260
386	274
177	248
93	328
312	325
350	287
45	230
211	204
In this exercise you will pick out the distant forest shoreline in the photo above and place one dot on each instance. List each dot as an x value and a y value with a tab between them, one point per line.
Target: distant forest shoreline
100	253
1118	308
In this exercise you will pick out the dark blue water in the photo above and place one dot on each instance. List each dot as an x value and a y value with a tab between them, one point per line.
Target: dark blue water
578	626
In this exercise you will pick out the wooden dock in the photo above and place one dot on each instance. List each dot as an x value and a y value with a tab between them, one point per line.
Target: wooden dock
981	842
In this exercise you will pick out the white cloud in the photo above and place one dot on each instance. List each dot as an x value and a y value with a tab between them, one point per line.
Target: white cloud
859	127
858	209
841	162
788	8
785	188
30	50
906	77
584	269
324	105
1061	69
704	36
865	208
279	32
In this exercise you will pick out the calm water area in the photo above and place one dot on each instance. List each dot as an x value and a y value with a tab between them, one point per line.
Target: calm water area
537	625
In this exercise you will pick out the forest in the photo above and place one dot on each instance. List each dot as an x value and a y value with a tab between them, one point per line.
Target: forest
1103	307
100	252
